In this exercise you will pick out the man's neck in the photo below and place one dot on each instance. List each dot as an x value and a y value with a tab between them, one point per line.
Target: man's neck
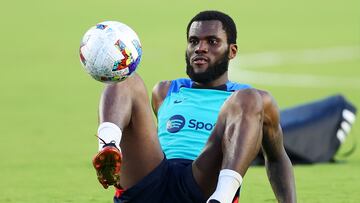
220	87
222	80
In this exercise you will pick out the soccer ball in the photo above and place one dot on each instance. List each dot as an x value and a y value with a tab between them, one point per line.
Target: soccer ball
110	51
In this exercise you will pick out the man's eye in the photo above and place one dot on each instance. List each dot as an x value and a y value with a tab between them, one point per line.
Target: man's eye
193	41
213	41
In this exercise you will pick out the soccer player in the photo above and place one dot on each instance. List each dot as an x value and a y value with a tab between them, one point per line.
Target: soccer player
209	129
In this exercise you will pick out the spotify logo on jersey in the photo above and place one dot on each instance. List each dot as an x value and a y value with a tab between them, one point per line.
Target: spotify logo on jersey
175	123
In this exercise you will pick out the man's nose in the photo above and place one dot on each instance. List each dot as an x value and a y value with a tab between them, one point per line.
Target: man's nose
202	47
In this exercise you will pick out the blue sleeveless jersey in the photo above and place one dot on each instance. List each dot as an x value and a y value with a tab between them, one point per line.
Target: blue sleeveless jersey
188	115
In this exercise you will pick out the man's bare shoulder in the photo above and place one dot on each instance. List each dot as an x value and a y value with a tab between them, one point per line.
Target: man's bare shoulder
159	93
161	88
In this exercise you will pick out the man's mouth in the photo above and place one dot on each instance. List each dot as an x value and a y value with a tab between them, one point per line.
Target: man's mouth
200	60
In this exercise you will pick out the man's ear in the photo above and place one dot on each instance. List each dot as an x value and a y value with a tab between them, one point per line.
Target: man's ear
232	51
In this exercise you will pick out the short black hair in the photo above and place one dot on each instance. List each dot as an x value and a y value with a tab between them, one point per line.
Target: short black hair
227	22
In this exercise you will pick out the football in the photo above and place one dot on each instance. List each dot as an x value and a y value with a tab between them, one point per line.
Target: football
110	51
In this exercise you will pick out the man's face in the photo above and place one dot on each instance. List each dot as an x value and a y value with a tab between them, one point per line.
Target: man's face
207	53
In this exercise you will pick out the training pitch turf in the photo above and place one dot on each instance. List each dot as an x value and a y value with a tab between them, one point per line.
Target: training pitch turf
298	50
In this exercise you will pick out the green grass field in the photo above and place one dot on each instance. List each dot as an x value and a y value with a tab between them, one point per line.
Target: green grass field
48	111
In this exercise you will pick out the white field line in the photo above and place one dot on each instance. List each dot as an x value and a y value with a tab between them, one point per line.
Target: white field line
293	80
309	56
239	70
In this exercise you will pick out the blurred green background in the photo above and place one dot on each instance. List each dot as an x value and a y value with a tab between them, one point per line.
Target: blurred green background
298	50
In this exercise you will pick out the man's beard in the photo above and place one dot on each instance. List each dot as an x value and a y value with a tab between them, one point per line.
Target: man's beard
212	73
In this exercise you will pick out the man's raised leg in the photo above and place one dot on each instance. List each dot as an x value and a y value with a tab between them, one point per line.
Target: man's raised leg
233	144
126	108
248	120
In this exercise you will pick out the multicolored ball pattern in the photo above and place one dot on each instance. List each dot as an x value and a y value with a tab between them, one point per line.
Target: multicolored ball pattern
110	51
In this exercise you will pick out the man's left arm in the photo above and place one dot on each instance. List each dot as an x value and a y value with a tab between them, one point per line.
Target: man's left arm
278	166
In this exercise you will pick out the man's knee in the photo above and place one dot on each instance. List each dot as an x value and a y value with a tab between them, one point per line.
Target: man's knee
133	86
244	102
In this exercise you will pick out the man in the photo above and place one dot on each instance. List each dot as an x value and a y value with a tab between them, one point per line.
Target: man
209	129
